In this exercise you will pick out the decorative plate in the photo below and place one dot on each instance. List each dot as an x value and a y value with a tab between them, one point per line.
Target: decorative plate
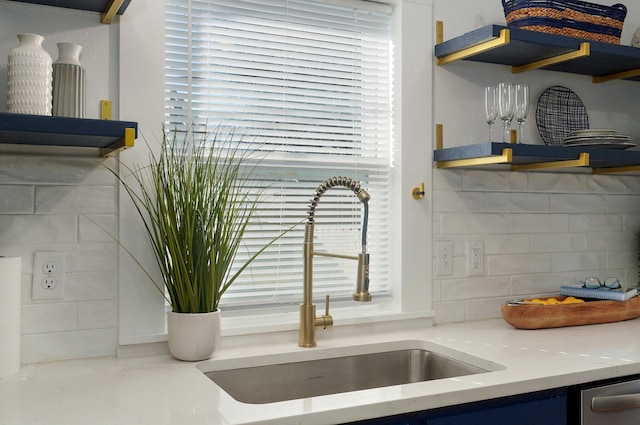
559	113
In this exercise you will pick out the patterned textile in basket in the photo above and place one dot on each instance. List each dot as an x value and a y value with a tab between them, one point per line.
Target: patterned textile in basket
573	18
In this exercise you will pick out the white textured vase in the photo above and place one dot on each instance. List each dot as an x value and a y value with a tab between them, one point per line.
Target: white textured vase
193	336
69	82
29	77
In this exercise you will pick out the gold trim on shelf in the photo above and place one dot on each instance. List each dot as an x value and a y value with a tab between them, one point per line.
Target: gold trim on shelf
439	32
585	50
505	157
617	76
105	110
612	170
582	161
439	137
111	11
503	39
128	141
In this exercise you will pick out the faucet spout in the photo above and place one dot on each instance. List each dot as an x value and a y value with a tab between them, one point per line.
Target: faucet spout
308	319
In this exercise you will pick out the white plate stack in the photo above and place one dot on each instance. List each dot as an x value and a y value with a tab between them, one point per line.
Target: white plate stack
598	138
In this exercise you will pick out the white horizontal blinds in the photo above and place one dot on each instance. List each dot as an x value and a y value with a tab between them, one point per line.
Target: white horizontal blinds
308	83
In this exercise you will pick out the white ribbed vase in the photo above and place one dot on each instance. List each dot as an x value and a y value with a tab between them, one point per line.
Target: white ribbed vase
29	77
69	82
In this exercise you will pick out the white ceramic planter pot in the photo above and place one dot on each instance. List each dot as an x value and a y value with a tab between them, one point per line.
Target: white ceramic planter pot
193	337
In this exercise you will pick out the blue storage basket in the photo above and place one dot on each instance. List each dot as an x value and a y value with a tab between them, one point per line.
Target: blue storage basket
571	18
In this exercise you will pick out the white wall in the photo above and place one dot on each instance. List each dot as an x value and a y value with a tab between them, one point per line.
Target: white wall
540	230
46	199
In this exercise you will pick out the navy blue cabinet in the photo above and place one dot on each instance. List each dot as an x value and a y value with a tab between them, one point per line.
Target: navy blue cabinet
546	407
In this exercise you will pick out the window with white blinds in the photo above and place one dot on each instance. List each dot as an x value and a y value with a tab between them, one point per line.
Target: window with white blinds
309	83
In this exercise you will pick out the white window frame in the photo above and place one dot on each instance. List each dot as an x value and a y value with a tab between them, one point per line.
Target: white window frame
142	316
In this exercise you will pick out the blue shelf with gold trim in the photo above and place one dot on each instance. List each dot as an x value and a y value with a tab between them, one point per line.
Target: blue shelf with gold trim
525	50
523	157
109	136
107	8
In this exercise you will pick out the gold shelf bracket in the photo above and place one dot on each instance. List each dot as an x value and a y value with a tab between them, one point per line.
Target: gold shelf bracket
503	39
439	137
128	141
505	157
582	161
617	76
583	51
107	16
612	170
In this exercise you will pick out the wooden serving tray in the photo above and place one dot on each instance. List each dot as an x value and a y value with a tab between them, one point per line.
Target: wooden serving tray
559	315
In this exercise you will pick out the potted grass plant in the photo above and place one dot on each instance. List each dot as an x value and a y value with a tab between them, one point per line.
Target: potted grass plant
196	199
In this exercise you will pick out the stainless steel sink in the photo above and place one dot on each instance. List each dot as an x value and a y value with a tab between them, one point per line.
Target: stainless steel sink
290	380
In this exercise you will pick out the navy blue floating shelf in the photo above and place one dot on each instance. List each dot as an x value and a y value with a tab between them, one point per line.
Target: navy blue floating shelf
538	157
109	136
106	7
604	61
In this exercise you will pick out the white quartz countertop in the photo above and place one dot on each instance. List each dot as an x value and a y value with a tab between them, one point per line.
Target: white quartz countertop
156	389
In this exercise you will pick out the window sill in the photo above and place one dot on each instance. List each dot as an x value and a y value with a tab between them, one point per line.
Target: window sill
282	322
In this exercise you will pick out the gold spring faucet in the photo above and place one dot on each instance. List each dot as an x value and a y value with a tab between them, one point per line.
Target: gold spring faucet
308	319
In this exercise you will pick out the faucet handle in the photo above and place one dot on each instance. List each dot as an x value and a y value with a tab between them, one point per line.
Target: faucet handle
325	321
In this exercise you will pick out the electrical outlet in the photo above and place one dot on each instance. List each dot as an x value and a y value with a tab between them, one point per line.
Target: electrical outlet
444	258
475	258
48	276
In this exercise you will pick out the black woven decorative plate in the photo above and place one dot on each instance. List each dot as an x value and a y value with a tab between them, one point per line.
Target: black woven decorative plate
559	112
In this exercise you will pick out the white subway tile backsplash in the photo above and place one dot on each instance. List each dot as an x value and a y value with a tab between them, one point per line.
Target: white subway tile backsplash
35	229
504	244
97	228
75	199
488	308
490	181
92	257
595	222
464	223
97	314
517	202
476	287
611	241
48	317
559	242
90	286
573	261
532	284
558	183
623	203
538	223
46	203
54	346
447	180
51	169
578	203
16	199
449	312
614	184
514	264
446	201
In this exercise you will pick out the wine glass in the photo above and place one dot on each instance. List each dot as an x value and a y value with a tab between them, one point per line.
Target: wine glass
521	107
505	108
490	108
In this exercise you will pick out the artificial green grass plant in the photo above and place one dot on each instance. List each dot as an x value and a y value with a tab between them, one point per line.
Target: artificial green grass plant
196	200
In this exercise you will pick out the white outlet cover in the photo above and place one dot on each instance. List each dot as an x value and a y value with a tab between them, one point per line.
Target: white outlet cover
41	285
475	258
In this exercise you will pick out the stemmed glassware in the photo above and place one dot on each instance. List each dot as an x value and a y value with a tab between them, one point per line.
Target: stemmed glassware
490	108
505	107
521	107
